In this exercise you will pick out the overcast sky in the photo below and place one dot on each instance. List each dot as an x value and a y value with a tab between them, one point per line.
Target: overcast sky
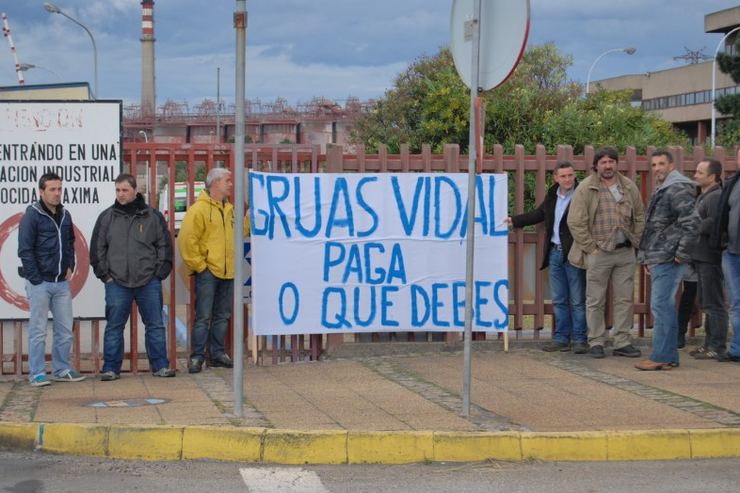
301	49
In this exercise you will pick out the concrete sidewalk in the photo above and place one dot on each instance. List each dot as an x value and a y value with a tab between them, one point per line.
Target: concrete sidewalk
395	409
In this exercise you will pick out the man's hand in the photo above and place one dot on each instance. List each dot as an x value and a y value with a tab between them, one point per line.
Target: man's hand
596	250
508	221
68	275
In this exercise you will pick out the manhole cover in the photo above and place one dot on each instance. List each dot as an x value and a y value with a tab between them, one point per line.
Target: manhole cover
127	403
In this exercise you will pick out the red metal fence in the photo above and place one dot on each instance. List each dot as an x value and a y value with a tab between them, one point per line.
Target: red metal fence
151	161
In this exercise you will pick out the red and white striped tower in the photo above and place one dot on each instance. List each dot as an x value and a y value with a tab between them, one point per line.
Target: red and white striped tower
148	94
6	31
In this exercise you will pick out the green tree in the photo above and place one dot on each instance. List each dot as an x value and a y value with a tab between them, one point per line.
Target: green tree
728	132
429	104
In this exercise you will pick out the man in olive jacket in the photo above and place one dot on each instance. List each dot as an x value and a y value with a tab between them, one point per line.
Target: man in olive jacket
567	282
606	220
131	252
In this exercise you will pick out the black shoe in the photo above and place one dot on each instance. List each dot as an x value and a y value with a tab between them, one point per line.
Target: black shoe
580	348
726	357
222	361
628	351
195	366
556	346
597	352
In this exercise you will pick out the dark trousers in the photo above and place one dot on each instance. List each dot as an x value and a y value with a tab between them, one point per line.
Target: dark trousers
711	293
686	309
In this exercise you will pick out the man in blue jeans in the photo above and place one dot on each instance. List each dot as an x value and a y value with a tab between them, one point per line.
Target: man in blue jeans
206	242
672	227
567	282
726	236
46	247
131	252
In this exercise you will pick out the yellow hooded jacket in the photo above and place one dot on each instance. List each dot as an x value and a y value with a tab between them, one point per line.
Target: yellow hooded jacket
206	237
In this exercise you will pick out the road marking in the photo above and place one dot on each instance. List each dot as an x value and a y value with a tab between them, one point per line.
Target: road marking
281	479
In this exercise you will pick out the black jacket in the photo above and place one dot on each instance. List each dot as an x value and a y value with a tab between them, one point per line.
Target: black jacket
131	244
707	204
546	212
719	232
46	248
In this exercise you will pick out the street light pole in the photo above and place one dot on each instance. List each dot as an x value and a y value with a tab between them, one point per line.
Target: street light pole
714	83
53	9
631	50
27	66
146	139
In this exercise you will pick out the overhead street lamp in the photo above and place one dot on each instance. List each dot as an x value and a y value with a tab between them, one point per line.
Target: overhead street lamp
630	51
714	83
27	66
146	139
53	9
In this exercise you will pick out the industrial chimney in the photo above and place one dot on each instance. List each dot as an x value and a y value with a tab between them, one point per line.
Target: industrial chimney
148	94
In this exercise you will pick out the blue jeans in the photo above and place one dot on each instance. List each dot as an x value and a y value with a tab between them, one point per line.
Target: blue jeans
568	290
118	301
666	278
731	269
57	297
213	299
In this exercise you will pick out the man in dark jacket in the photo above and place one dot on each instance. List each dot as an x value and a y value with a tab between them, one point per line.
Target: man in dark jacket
726	236
671	231
46	247
131	252
708	263
567	282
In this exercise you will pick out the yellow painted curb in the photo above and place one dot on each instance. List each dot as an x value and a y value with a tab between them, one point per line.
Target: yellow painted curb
237	445
469	447
305	447
377	447
721	442
565	446
147	443
19	436
75	439
649	445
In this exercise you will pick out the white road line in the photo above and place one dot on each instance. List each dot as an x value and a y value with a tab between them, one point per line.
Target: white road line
281	479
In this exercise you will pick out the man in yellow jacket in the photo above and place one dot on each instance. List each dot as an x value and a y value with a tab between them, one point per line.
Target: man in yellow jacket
206	242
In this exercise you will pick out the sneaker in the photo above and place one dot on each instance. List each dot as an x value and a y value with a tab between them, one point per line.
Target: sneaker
696	351
707	355
597	352
726	357
628	351
222	361
195	366
165	372
556	346
580	348
40	381
71	376
109	376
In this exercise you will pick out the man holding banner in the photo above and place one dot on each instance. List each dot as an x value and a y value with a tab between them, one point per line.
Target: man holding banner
567	282
206	242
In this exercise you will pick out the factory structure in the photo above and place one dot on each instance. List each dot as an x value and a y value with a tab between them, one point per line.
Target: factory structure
318	122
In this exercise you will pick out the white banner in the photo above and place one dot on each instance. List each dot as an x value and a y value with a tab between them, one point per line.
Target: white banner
375	252
79	141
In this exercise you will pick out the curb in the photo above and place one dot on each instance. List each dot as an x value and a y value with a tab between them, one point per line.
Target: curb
357	447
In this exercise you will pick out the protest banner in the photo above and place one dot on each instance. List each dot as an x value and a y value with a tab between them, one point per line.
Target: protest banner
375	253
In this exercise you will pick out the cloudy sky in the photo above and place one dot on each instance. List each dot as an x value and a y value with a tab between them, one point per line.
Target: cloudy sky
301	49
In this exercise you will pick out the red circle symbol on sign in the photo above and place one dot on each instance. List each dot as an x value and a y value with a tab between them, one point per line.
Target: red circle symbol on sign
79	275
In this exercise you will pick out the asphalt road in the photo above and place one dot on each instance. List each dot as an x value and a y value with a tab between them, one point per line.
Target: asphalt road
41	473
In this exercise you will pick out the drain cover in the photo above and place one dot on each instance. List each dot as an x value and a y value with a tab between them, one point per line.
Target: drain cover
127	403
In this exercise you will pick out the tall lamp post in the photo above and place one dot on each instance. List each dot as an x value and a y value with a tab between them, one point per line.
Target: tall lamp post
53	9
28	66
146	139
631	50
714	83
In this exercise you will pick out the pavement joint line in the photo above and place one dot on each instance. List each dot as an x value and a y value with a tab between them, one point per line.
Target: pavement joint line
21	403
705	410
444	398
221	393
